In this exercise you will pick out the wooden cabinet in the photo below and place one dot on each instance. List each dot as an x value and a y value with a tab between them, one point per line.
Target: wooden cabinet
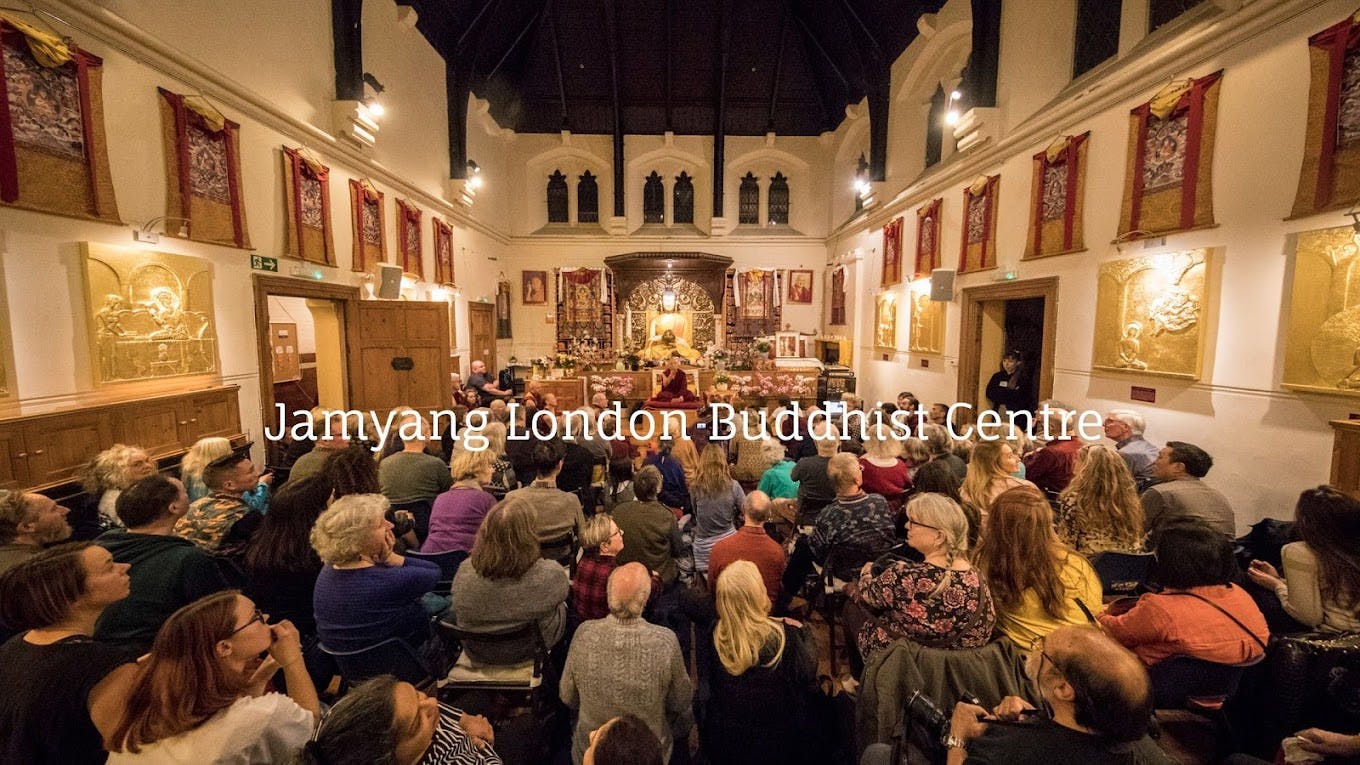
48	449
1346	456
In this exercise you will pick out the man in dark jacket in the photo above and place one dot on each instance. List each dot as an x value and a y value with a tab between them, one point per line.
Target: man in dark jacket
167	571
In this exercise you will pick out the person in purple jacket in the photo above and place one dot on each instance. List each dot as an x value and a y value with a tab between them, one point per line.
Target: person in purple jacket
367	593
458	512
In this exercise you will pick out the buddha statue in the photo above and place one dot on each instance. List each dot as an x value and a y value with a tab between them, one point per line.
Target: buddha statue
665	339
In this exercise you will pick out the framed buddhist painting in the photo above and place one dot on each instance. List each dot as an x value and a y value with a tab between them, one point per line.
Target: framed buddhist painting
800	287
534	287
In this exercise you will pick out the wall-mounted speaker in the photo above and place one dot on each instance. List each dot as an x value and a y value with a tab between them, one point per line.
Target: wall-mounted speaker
389	286
942	284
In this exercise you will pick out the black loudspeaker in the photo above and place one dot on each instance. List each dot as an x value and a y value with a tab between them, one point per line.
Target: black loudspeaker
389	286
942	284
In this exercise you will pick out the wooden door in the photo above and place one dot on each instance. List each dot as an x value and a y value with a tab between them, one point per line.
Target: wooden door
13	465
160	427
62	446
398	354
283	342
482	335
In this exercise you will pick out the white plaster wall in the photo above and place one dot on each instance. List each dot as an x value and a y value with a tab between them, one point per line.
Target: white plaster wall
1268	443
293	310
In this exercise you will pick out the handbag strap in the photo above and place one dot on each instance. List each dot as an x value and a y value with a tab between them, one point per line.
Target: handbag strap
1224	611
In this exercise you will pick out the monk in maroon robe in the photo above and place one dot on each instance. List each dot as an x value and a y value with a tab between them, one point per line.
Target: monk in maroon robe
674	383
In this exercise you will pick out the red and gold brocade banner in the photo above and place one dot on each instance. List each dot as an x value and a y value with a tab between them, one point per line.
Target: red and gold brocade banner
53	153
203	162
368	225
1168	182
892	253
408	239
838	295
307	195
978	249
443	252
1056	195
927	238
1330	177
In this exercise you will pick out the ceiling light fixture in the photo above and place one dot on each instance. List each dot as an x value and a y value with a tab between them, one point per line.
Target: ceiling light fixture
147	234
374	106
474	175
951	115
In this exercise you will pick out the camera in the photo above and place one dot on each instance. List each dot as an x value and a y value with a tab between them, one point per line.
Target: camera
934	721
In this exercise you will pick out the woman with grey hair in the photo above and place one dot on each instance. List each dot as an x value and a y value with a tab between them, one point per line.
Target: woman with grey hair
776	481
367	593
110	472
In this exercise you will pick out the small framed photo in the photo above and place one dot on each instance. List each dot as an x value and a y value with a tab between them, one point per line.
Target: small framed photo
535	287
786	345
800	287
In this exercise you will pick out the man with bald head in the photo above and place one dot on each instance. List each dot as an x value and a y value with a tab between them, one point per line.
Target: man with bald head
480	382
623	664
750	543
1098	700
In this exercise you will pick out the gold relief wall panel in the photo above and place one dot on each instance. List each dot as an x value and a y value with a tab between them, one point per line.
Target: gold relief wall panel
926	333
1322	337
885	321
150	314
1152	314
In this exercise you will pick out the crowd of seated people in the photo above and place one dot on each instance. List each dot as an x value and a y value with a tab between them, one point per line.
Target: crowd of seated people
240	600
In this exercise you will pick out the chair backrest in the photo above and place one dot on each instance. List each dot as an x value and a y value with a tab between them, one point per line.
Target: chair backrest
448	562
517	635
390	657
1184	682
1121	573
561	549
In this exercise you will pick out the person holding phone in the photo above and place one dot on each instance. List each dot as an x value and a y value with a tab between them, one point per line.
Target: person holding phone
199	696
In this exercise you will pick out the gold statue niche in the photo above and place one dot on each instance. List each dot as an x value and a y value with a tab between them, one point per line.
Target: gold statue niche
1152	314
885	324
150	314
1322	336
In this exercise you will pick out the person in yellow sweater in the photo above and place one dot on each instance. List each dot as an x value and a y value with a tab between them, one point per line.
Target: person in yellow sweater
1038	583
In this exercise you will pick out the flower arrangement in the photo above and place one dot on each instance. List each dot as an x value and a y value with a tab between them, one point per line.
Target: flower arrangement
542	362
715	356
764	386
566	361
613	386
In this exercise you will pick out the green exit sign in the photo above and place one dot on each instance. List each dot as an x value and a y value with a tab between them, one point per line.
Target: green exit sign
264	263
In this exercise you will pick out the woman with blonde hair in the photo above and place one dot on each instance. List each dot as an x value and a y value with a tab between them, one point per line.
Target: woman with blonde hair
885	473
1038	583
1099	510
503	478
204	451
717	503
458	512
110	472
763	667
200	696
990	472
942	602
505	583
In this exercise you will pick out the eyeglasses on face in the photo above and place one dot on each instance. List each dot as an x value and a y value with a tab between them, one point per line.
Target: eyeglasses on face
1037	646
257	616
911	522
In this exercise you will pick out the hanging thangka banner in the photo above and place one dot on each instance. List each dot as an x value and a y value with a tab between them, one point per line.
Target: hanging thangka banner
503	311
927	238
584	310
1055	203
751	303
978	252
408	239
366	220
1330	178
838	295
53	156
307	195
203	162
892	253
443	251
1168	182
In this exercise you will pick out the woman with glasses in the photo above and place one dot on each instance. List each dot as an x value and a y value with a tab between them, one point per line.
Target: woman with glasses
940	603
388	722
1038	582
200	695
601	542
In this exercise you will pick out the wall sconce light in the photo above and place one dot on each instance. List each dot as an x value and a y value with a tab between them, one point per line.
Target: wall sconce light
375	107
147	234
474	175
951	115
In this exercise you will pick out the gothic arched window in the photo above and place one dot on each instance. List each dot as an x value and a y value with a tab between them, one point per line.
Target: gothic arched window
683	205
557	197
653	200
587	200
748	200
779	200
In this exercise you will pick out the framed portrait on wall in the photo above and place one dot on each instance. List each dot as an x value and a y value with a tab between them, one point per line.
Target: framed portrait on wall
800	287
535	287
786	345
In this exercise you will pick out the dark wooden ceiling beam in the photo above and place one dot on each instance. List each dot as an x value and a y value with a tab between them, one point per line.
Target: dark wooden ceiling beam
868	34
670	55
832	110
611	31
528	25
557	62
876	72
720	113
458	68
348	35
778	68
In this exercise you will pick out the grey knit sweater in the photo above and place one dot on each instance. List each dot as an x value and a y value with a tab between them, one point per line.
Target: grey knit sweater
626	665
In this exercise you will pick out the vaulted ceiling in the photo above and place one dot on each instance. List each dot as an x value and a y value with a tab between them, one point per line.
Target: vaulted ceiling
783	66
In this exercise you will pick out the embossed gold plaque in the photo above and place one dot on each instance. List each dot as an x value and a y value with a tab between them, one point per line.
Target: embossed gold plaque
1152	314
1322	336
926	333
885	323
150	314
